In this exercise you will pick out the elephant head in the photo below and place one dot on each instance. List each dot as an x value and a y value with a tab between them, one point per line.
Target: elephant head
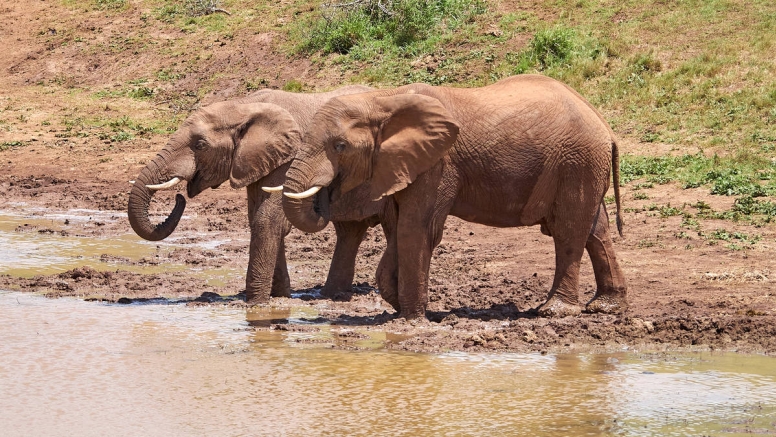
374	144
240	141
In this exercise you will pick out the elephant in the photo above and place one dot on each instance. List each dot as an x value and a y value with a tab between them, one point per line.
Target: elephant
526	150
249	141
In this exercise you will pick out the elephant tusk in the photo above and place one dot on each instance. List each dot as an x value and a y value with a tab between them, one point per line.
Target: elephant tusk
303	194
171	183
273	189
132	182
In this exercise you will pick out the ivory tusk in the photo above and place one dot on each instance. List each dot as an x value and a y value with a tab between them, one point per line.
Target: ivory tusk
171	183
303	194
132	182
273	189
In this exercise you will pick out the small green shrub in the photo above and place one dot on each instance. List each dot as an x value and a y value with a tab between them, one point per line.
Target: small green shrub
293	86
110	4
748	205
141	92
551	47
400	23
5	145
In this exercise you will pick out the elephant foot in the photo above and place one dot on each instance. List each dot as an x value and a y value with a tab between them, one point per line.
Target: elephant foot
555	307
252	298
607	304
280	292
413	315
333	291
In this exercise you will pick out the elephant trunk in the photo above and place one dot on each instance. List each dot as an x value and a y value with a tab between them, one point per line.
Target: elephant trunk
140	199
310	212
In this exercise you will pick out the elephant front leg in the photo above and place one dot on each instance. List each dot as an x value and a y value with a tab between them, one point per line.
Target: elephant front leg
415	250
419	231
343	263
267	273
611	290
281	282
387	275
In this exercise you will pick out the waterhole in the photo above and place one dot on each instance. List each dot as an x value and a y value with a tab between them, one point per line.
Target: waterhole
42	245
69	367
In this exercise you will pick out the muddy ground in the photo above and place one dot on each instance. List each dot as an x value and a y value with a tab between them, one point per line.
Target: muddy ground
687	288
685	291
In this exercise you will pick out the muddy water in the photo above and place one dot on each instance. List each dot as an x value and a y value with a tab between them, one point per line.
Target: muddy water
69	367
36	245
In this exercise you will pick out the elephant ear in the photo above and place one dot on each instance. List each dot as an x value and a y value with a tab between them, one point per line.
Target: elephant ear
416	135
267	139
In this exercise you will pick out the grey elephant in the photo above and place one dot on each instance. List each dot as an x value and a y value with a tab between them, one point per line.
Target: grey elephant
527	150
249	142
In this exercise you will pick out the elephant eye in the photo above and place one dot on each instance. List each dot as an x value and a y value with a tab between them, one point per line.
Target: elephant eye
339	146
200	145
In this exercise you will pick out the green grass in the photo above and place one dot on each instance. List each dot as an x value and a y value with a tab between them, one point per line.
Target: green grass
7	145
685	75
118	129
397	26
730	176
690	73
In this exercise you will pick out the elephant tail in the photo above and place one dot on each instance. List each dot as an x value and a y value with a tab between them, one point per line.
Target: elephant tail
616	181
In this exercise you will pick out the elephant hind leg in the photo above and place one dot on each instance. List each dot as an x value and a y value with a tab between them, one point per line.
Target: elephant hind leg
570	227
563	299
343	262
611	293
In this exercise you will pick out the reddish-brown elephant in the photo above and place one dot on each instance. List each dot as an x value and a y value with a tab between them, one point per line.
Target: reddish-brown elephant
527	150
249	142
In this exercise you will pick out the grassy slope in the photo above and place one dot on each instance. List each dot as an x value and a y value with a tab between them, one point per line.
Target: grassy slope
672	77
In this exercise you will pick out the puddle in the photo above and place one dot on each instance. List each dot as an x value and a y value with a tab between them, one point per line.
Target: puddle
45	250
69	367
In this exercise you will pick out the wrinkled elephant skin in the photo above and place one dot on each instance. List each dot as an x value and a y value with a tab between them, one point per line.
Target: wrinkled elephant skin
527	150
249	142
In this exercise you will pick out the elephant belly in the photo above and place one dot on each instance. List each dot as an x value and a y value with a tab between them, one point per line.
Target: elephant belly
494	207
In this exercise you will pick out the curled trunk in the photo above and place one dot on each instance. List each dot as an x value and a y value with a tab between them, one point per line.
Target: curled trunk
309	214
140	200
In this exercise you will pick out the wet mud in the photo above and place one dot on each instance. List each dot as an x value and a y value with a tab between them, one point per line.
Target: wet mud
486	283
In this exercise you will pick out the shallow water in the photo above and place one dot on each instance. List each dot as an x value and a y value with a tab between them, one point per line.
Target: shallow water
34	245
69	367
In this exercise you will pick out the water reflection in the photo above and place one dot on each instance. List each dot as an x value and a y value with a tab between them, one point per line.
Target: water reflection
75	368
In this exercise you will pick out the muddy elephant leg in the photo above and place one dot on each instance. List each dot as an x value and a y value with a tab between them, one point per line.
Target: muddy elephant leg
267	272
423	209
611	293
343	263
281	283
387	275
570	229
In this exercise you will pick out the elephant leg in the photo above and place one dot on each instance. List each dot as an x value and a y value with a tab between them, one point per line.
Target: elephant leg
281	282
611	293
387	275
267	272
569	229
259	280
423	209
343	263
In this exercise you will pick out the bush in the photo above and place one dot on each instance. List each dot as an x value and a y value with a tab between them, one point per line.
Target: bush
400	23
551	47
